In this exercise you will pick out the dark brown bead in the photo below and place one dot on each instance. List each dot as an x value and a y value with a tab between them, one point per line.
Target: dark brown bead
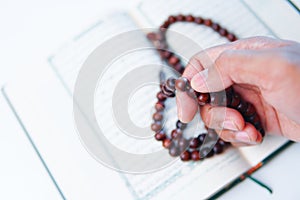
218	148
215	26
165	24
160	96
160	136
221	142
223	32
250	110
231	37
157	116
201	137
253	119
176	133
185	156
167	143
262	132
194	143
203	98
170	84
215	98
195	155
206	152
207	22
212	135
218	98
181	83
167	92
242	107
173	60
151	36
172	19
257	125
180	125
182	144
229	93
174	151
180	18
165	54
189	18
235	101
191	93
178	67
159	106
198	20
156	126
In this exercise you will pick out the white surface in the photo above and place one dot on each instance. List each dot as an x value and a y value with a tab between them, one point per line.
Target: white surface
31	30
22	174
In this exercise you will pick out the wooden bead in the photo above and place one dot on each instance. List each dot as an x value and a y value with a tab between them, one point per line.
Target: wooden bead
198	20
172	19
180	125
206	152
189	18
176	133
250	110
166	143
174	151
181	83
201	137
223	32
160	136
185	156
194	143
180	18
207	22
165	54
231	37
167	92
235	101
242	107
262	132
156	126
170	84
157	116
151	36
203	99
173	60
191	93
195	155
159	106
218	148
160	96
182	144
215	26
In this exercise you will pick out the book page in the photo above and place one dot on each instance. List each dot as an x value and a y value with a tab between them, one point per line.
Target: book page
67	62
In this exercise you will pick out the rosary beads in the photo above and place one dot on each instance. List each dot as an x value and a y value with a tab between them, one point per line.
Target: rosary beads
176	143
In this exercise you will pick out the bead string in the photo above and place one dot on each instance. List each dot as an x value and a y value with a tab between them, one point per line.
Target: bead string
190	149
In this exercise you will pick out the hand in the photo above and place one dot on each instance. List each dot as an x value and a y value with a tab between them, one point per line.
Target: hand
264	71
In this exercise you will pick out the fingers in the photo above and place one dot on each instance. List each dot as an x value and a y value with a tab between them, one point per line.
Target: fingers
230	125
237	66
186	107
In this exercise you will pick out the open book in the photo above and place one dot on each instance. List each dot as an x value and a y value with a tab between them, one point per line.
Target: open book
179	180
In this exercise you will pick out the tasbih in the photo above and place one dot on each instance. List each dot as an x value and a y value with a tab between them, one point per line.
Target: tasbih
190	149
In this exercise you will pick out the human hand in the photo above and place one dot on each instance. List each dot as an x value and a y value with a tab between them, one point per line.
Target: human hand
264	71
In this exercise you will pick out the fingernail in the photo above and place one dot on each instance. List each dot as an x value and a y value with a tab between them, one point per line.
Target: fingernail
242	136
199	80
230	126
